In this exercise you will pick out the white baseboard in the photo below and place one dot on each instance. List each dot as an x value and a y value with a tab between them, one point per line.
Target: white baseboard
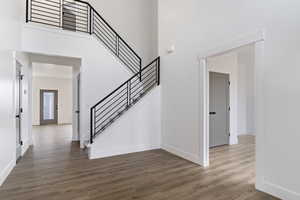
25	147
6	171
277	191
93	154
183	154
246	133
233	140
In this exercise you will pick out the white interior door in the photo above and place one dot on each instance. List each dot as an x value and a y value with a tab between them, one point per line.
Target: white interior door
219	109
18	100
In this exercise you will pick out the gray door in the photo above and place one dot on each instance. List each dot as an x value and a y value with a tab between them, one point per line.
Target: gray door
18	96
218	109
48	107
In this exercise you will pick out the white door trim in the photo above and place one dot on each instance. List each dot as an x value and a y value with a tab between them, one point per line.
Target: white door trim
257	39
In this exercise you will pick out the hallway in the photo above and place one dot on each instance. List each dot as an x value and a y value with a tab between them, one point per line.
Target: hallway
51	136
56	168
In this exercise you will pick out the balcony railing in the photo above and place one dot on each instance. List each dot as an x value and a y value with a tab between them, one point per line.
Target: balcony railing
80	16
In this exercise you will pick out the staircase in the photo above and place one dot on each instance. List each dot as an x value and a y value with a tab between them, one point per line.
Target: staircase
114	105
80	16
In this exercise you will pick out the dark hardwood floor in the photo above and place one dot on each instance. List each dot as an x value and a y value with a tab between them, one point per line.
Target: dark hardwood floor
56	169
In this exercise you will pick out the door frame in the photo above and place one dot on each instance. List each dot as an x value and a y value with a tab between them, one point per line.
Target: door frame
228	104
258	39
76	107
55	121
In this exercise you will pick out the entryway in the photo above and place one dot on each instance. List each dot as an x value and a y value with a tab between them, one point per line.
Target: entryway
231	96
47	97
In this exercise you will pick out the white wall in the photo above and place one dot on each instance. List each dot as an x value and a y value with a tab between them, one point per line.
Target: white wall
7	126
136	130
196	26
135	21
245	60
65	97
227	64
9	40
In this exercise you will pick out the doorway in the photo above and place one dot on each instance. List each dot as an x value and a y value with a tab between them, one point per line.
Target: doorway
18	99
45	102
219	107
257	40
48	107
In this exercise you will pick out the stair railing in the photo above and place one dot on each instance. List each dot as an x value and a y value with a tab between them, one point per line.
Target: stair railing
110	108
80	16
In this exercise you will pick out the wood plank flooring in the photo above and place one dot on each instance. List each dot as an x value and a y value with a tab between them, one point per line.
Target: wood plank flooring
56	169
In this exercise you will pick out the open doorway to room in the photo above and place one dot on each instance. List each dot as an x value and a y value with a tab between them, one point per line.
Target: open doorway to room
50	107
241	59
230	104
231	96
52	103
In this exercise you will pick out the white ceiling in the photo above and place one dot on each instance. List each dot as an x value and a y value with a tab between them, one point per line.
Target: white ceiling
50	70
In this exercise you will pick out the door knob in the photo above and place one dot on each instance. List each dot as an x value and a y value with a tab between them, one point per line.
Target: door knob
212	113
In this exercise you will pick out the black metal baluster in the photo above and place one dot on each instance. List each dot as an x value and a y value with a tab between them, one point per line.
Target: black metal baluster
140	70
91	126
60	14
129	92
30	14
27	7
90	20
158	71
94	122
117	46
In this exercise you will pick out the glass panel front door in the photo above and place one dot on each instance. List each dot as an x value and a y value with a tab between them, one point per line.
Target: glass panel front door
49	98
48	107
